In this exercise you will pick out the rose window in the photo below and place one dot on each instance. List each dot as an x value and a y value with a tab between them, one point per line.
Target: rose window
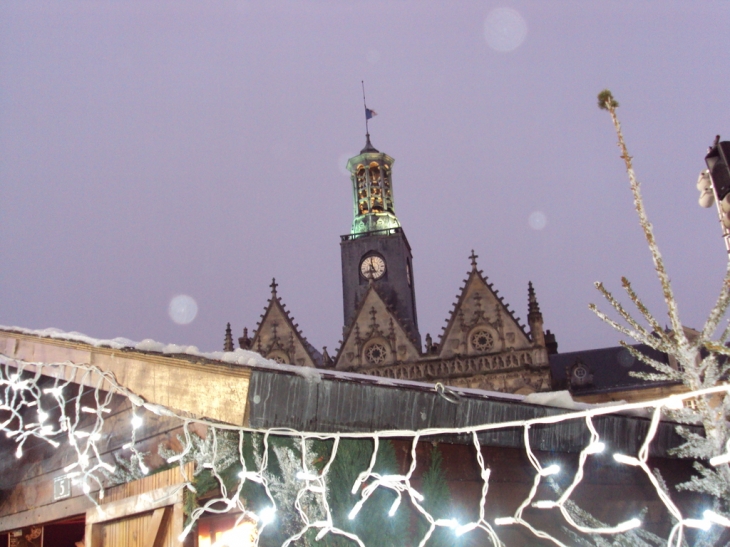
278	357
482	341
375	354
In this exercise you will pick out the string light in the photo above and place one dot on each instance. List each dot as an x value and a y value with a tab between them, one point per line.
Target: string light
71	382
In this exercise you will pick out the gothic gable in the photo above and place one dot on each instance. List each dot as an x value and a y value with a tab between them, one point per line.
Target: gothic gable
481	323
278	338
376	338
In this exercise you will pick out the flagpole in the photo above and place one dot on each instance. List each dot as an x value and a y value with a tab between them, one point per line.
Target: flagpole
365	104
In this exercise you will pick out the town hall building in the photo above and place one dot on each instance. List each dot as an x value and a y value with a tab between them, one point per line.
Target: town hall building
482	346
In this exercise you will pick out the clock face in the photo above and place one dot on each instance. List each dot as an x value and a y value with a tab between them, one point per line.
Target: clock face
372	266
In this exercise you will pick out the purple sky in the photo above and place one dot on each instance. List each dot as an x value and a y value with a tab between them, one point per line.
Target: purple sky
149	150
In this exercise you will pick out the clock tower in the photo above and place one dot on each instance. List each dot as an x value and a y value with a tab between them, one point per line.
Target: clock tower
376	251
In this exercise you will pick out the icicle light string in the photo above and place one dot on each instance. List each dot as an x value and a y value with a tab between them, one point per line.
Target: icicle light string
24	400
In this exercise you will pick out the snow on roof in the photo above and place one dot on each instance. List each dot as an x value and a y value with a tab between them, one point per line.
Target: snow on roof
560	399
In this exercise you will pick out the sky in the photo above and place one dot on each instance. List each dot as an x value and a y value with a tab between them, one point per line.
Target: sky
197	149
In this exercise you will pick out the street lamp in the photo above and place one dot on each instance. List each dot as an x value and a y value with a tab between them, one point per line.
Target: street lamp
714	184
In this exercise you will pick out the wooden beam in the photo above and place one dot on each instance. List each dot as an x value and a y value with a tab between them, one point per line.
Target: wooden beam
94	536
46	513
133	505
155	532
184	384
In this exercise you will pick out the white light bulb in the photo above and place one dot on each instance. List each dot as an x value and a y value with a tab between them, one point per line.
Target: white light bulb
461	530
717	519
719	460
674	403
697	523
394	507
544	504
19	452
628	460
628	525
136	421
267	515
42	416
355	510
550	470
595	448
502	521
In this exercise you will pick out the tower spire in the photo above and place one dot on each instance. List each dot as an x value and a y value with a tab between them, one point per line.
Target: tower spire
228	341
534	317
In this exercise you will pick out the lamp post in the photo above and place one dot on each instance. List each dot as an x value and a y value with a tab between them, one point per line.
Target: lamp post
714	184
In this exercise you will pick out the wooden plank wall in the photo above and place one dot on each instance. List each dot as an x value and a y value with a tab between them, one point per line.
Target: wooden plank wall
159	526
26	484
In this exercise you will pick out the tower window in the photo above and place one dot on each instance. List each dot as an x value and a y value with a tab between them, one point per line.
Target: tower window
360	176
374	174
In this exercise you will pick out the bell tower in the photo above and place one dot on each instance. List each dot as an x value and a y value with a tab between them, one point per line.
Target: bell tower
376	250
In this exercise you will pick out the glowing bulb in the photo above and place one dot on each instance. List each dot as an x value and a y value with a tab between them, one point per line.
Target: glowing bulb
544	504
136	421
42	416
628	525
267	515
595	448
394	507
697	523
355	510
449	523
719	460
461	530
19	452
674	403
550	470
502	521
717	519
81	434
628	460
86	488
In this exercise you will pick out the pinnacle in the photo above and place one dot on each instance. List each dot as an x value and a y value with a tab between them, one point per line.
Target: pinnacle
473	258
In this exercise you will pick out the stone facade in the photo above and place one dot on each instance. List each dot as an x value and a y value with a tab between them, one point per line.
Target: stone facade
482	346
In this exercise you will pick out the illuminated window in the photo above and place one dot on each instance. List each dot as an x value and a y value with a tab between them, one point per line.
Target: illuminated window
360	176
374	174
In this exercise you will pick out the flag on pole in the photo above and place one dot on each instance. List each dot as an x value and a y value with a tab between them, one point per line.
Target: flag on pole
370	113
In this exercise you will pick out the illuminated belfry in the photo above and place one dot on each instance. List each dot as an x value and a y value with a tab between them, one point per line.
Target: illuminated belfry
376	252
372	187
483	344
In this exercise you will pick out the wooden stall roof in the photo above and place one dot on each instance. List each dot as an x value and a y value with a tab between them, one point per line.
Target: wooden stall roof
181	382
281	396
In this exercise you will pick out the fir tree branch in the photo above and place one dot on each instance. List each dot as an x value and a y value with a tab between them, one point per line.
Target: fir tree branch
658	331
610	104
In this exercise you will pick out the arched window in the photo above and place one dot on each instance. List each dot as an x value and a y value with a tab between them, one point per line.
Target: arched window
360	176
374	174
